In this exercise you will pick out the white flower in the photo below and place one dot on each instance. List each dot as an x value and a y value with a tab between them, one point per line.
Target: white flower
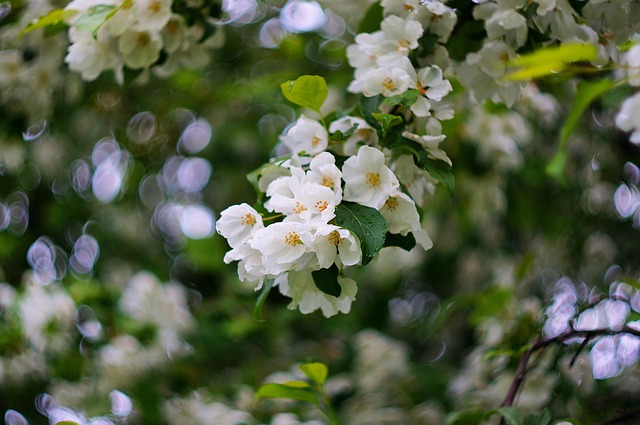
386	80
250	266
139	49
323	171
304	294
430	144
333	243
47	318
238	223
152	15
402	217
90	57
416	180
306	135
402	35
283	246
301	200
364	134
368	181
631	60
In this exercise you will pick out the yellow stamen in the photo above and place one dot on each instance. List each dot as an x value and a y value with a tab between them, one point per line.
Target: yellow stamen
372	180
292	239
388	84
327	182
391	204
334	238
248	220
322	205
299	208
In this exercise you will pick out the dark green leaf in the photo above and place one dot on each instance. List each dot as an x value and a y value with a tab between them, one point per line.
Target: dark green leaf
371	20
440	171
291	390
405	99
308	91
366	223
339	136
468	417
317	372
368	105
326	280
257	310
405	242
67	423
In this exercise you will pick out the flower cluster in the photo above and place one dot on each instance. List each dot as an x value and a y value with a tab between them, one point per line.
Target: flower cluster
326	216
114	34
382	59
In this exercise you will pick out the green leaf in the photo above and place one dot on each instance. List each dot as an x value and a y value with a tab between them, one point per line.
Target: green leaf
339	136
292	390
326	280
317	372
587	92
405	99
467	417
386	121
366	223
67	423
97	15
511	415
54	17
405	242
308	91
550	60
440	171
257	310
372	19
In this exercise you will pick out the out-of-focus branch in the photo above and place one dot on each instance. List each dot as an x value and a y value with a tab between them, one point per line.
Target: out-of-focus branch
542	343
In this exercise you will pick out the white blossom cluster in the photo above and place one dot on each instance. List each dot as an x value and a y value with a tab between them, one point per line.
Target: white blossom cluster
135	37
382	59
613	349
304	192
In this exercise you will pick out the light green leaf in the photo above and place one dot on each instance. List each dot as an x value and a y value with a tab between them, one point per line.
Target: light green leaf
257	310
317	372
386	121
550	60
291	390
54	17
587	92
95	17
366	223
405	99
308	91
67	423
511	415
326	280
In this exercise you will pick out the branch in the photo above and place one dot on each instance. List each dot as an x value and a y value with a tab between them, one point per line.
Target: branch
540	344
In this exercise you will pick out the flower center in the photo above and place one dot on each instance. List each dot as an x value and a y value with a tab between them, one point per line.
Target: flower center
403	44
315	141
391	204
292	239
142	39
299	208
248	220
408	7
155	6
388	84
372	180
327	182
322	205
334	238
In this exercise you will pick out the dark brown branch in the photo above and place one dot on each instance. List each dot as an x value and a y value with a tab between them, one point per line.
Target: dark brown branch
540	344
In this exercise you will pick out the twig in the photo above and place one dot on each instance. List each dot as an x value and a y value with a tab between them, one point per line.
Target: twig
541	344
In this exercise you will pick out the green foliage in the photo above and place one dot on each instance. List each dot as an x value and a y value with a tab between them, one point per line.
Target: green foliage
586	93
405	99
96	17
55	17
308	91
366	223
406	242
326	280
550	60
262	298
386	121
